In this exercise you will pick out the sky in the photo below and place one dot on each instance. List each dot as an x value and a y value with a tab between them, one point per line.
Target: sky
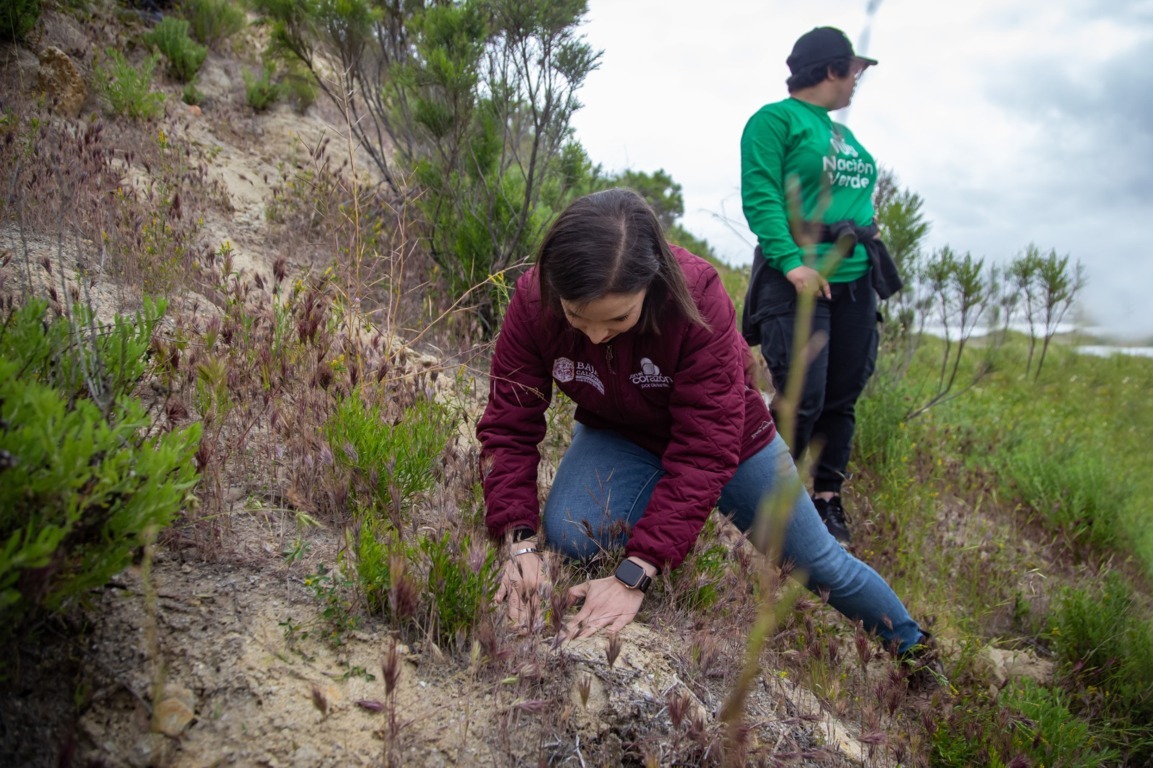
1017	121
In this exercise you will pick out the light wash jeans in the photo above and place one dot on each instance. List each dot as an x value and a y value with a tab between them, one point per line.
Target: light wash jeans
602	489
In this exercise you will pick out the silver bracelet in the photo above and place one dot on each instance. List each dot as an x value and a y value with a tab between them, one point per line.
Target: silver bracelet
525	551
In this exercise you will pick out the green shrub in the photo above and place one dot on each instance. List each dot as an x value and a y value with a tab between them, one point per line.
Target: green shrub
1105	642
1048	732
882	440
17	18
212	22
184	55
1072	485
192	95
462	580
442	585
299	87
128	89
391	463
376	545
261	92
81	478
1026	723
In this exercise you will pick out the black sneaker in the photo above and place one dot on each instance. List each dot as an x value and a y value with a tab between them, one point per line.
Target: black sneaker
833	515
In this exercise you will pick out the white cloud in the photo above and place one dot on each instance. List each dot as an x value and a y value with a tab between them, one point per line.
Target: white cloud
1018	121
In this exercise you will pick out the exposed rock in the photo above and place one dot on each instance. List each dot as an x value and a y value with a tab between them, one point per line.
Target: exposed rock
60	78
1004	666
172	717
65	32
642	682
149	750
640	673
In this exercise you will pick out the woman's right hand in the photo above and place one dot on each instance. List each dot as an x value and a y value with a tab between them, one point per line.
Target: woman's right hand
808	281
521	584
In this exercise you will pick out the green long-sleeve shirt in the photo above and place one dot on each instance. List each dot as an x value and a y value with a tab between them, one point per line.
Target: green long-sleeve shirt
836	176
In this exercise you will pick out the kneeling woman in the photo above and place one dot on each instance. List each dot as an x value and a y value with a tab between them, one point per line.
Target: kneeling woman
642	336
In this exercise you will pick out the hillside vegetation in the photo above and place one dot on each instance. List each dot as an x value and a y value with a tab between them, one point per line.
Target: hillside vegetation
252	259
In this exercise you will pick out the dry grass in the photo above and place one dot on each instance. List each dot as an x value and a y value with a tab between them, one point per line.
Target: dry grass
261	357
262	354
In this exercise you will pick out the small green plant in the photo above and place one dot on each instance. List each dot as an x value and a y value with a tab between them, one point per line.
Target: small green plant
292	630
81	477
462	579
355	670
127	88
297	551
381	567
184	55
191	95
442	584
699	581
976	734
299	87
213	22
392	460
334	592
17	18
262	92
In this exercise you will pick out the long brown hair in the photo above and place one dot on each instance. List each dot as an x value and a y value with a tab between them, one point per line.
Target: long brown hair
611	242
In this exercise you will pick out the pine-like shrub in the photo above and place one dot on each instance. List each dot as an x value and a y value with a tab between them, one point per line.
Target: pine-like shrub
83	478
17	18
185	56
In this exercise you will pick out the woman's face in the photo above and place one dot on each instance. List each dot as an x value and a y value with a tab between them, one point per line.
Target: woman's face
607	317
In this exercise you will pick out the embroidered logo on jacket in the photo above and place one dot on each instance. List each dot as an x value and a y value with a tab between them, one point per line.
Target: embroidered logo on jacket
650	376
565	370
562	370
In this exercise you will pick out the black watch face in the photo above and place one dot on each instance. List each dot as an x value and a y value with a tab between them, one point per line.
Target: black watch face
630	573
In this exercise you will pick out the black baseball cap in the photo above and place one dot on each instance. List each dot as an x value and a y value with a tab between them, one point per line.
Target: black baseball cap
823	45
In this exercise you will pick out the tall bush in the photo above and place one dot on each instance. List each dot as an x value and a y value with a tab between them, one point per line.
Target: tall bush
184	55
128	89
82	478
465	108
17	18
213	22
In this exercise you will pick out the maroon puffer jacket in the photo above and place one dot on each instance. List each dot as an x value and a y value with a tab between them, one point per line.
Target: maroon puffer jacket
685	395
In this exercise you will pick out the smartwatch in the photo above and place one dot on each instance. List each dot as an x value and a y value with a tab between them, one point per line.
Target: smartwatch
520	534
632	576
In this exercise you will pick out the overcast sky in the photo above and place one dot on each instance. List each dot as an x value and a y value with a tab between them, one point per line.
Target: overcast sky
1017	121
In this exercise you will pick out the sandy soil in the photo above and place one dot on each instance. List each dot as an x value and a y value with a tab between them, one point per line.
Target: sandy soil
225	662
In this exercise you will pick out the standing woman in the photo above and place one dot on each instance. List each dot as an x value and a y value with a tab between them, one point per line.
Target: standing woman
642	337
796	142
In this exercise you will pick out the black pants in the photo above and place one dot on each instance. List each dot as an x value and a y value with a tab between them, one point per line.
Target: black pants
835	379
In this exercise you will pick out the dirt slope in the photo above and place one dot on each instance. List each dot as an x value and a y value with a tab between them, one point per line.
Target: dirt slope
223	660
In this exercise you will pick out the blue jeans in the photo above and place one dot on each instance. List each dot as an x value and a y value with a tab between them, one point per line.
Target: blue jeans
602	488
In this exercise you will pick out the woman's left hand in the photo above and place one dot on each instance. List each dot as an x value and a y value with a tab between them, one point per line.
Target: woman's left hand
608	604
